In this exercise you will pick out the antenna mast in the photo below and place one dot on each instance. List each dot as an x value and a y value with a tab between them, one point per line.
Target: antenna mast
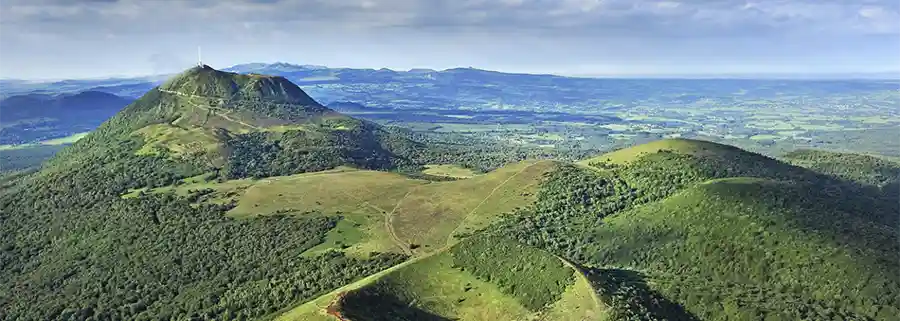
199	57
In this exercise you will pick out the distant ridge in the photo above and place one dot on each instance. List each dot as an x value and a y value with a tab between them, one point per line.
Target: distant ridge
35	117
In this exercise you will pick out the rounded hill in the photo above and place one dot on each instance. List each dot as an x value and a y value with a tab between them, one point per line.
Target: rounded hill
725	233
204	81
481	278
675	145
241	126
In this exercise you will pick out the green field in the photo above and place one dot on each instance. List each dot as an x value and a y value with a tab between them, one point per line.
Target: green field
764	137
381	211
430	215
454	171
56	141
65	140
177	141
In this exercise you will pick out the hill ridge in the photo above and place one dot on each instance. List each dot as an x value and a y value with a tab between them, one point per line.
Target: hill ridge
331	306
722	225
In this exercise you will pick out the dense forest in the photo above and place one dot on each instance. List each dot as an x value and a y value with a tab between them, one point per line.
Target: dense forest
73	249
865	169
24	158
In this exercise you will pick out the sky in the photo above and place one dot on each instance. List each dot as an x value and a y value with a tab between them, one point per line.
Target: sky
57	39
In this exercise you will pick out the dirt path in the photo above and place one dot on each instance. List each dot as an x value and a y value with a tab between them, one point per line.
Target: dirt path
389	223
388	216
209	109
450	237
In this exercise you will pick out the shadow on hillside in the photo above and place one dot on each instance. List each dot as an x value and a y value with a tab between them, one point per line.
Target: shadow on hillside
892	190
630	298
372	305
849	214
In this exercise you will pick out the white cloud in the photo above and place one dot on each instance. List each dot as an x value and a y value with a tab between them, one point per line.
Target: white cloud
871	12
668	4
468	28
589	17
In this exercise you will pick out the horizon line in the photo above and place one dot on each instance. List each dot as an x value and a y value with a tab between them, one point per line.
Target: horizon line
860	75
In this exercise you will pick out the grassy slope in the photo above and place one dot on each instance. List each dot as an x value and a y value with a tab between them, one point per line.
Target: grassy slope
363	198
440	287
682	146
444	170
430	215
314	310
419	212
373	203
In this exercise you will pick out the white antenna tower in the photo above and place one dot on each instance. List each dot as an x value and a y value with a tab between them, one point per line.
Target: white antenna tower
199	57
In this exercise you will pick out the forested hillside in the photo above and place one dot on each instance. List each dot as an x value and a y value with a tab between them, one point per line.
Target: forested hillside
74	248
865	169
723	232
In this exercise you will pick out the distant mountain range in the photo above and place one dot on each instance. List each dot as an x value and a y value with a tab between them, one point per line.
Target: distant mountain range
34	117
471	90
886	75
485	89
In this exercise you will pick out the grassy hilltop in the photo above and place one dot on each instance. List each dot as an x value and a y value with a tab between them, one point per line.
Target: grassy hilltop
477	279
723	232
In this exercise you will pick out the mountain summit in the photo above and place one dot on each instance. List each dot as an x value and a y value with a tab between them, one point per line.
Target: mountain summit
211	83
243	125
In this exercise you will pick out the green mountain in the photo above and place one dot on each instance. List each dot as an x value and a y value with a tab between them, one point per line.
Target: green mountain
241	126
226	196
74	248
725	233
207	82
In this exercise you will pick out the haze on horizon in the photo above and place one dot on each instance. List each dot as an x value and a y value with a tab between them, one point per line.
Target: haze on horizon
56	39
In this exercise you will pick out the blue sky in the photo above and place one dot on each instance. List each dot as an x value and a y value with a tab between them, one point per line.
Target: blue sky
52	39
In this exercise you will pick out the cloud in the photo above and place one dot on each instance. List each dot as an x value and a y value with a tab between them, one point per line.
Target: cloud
586	17
520	31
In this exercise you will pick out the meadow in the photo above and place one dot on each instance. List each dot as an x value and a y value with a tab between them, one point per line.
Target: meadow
378	211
